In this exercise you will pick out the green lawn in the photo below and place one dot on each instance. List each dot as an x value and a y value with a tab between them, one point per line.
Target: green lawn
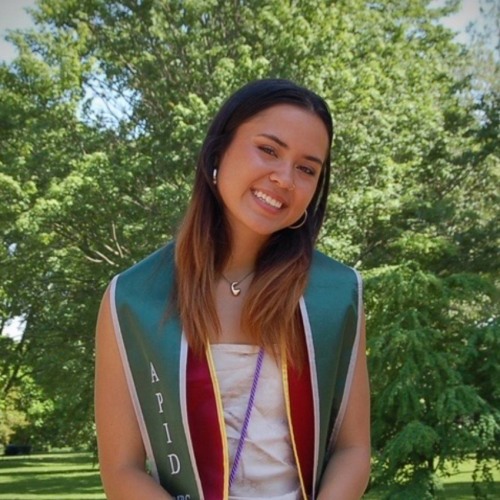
66	475
53	476
457	486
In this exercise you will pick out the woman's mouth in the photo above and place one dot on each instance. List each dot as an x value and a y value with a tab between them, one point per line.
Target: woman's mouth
268	200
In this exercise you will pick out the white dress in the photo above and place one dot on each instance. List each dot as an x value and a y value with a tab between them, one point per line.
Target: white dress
267	467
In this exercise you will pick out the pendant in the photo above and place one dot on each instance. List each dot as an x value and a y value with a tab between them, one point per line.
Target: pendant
234	290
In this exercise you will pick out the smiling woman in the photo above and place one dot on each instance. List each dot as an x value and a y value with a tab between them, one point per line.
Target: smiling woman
269	173
232	360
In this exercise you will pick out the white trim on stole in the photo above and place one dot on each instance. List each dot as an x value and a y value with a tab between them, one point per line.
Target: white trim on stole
314	381
314	386
183	380
130	383
352	365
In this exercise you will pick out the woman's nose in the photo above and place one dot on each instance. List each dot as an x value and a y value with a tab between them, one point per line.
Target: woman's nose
283	178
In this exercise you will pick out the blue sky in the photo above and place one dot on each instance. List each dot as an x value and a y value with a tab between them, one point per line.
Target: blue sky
12	15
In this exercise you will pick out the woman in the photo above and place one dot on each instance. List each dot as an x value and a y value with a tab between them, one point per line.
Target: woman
232	361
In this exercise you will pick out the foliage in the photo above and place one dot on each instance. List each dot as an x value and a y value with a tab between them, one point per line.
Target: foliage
102	116
24	409
426	403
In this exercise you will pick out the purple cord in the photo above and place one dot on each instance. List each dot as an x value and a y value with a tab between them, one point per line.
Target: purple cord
244	429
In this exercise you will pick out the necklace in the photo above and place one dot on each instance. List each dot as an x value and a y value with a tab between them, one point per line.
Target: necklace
233	285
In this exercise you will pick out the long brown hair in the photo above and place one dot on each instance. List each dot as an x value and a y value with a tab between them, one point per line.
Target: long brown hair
271	310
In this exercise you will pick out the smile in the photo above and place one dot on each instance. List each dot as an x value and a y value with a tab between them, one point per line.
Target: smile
267	199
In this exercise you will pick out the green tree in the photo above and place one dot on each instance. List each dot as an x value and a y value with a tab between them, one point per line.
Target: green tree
104	112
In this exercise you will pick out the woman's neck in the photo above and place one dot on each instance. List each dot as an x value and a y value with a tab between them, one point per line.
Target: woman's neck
243	257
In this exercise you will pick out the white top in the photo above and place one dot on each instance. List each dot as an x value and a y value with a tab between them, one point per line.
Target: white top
267	467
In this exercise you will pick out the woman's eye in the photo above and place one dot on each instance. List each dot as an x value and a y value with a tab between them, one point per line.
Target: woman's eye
307	170
268	150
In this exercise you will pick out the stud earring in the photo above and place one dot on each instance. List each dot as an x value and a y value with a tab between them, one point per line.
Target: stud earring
214	176
301	223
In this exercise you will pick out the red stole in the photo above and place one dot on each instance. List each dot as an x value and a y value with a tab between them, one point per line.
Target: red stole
206	425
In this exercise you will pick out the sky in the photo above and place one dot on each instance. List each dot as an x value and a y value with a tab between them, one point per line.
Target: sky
13	15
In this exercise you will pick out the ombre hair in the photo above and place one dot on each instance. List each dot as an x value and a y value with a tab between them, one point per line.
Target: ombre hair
270	314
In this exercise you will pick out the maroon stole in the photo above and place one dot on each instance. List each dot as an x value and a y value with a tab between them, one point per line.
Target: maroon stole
207	436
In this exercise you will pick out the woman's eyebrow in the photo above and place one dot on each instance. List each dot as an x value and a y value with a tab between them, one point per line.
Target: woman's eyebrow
277	140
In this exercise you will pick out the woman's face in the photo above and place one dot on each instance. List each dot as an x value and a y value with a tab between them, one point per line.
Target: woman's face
270	171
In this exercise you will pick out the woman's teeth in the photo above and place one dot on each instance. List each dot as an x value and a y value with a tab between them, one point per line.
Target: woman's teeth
267	199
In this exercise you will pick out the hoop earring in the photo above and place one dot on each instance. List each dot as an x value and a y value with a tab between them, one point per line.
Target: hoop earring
300	224
214	176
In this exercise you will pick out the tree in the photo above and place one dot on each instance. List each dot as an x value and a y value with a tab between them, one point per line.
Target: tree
105	111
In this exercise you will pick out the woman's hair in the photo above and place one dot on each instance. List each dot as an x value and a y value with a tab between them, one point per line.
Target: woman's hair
270	313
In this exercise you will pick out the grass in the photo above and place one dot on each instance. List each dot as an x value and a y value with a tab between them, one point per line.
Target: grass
68	475
53	476
457	485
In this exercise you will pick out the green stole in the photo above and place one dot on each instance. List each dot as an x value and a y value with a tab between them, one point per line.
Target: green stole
175	393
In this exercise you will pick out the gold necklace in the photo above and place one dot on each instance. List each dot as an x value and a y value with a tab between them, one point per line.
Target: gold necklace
233	285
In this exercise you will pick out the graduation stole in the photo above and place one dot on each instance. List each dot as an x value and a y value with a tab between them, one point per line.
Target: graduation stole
175	393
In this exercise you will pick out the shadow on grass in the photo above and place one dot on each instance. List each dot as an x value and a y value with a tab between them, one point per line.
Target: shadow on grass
464	491
61	470
450	491
46	459
74	476
62	475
